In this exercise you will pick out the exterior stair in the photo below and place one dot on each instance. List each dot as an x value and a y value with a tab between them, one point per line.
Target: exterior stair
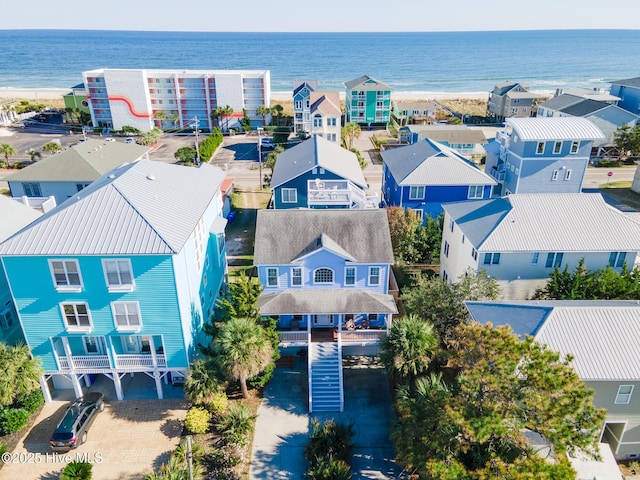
325	377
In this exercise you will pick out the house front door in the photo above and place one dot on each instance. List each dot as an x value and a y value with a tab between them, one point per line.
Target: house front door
323	321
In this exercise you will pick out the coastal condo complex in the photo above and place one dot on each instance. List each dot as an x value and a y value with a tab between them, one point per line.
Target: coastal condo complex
167	99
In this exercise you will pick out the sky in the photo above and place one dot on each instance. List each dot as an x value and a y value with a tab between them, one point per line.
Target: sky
324	16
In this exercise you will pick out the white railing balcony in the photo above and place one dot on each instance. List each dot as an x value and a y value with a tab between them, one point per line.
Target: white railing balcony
139	360
358	97
85	362
363	336
299	337
333	192
383	97
44	204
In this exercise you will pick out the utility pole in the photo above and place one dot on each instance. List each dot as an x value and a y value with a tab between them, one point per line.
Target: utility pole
260	154
195	125
190	457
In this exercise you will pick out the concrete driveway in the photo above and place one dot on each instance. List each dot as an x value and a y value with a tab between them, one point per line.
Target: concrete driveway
127	440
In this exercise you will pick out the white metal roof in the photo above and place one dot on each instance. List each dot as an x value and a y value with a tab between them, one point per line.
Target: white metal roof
142	208
14	216
554	128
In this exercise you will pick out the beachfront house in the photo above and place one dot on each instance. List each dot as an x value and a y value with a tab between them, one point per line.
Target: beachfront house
368	102
14	217
318	173
601	336
316	113
542	155
468	142
521	238
415	112
184	99
58	177
512	100
423	176
628	90
77	99
119	279
326	277
302	104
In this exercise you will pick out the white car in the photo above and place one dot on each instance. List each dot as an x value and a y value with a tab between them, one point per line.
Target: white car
109	139
267	143
129	140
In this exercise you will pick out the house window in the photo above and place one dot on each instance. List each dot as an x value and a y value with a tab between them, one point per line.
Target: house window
32	189
81	186
350	276
118	274
126	315
331	122
574	147
535	257
623	397
567	175
374	275
419	213
272	277
289	195
557	147
76	316
554	176
474	253
446	249
92	345
491	258
66	274
298	105
317	121
323	275
616	259
475	191
296	276
416	192
540	148
451	224
331	137
554	260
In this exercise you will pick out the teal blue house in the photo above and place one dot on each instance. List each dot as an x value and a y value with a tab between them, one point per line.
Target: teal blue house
368	102
318	173
119	278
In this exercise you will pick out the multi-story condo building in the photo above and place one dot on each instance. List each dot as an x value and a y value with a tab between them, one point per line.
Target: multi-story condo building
173	98
368	102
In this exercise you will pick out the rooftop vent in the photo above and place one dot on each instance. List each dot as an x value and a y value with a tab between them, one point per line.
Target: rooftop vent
151	177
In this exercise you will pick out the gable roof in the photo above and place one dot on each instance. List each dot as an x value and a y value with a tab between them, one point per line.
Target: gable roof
366	82
504	87
628	82
452	134
560	101
15	216
325	102
321	243
600	335
565	222
325	301
584	107
431	163
593	94
552	128
141	208
283	235
300	84
84	162
317	152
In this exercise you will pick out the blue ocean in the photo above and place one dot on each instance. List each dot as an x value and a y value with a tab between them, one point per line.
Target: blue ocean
409	62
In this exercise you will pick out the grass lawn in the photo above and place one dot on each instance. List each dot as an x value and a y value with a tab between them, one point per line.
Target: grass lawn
621	192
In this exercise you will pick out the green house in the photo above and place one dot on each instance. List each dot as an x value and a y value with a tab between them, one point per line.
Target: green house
368	102
77	98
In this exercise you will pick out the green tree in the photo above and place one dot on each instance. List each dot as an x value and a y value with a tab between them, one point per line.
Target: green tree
350	132
403	225
160	116
627	140
77	470
7	150
19	372
224	112
246	121
51	147
34	154
263	110
185	154
243	350
277	110
272	158
240	300
202	382
409	348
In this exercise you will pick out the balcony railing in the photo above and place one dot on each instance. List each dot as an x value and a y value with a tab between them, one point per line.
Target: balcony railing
98	362
139	360
294	338
497	174
363	336
85	362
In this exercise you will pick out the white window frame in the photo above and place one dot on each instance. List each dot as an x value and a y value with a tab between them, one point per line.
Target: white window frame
298	105
76	314
554	176
473	192
370	276
474	254
575	147
540	151
557	148
567	175
277	274
333	276
127	306
624	398
294	276
99	345
446	249
451	224
120	286
291	193
419	213
417	195
317	121
535	258
346	269
68	287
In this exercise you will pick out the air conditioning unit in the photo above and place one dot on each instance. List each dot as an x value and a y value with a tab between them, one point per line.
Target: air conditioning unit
177	378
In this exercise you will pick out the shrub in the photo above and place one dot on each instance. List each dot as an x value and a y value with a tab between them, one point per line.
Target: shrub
329	468
31	401
329	440
209	145
77	471
217	403
605	163
263	377
237	423
224	457
12	420
197	420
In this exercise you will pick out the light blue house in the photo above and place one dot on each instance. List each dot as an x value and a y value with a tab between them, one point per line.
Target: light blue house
54	179
14	216
468	142
628	90
318	173
542	155
427	174
119	279
326	276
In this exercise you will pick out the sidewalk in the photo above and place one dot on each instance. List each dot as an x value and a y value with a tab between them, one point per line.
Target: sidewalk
283	425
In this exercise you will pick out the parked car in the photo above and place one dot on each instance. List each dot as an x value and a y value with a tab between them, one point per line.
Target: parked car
109	139
129	140
72	429
267	142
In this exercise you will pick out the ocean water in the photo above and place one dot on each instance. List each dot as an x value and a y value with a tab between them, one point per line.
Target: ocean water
409	62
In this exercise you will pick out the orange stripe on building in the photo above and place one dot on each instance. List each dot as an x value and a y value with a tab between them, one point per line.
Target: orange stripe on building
129	106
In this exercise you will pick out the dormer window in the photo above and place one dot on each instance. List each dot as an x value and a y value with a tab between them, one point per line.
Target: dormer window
323	275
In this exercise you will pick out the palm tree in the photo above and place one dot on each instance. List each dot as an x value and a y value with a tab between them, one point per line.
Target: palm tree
264	111
77	470
277	110
160	116
6	150
19	372
51	147
201	382
224	113
34	154
272	158
243	350
409	348
350	132
175	118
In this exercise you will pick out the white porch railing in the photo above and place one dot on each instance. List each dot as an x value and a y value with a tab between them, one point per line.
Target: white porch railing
300	337
358	336
83	362
139	360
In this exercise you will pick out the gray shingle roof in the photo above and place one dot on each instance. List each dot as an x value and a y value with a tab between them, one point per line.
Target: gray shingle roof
628	82
15	216
295	302
282	235
585	107
366	82
431	163
141	208
317	152
326	242
564	128
565	222
452	134
560	101
84	162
